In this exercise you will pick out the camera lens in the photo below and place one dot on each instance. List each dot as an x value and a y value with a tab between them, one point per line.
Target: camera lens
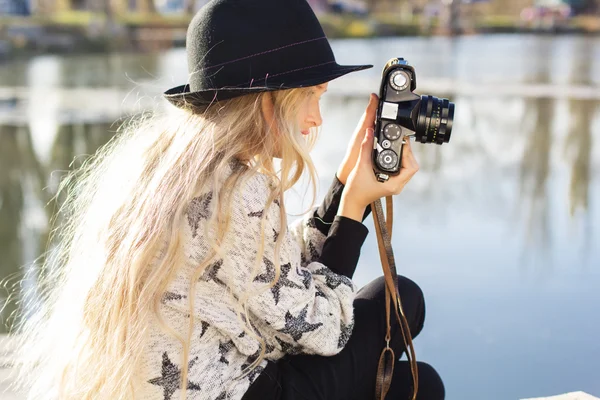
434	123
392	131
387	159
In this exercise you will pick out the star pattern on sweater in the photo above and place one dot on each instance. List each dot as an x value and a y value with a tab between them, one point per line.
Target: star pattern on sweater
171	376
288	348
222	396
257	214
303	260
345	334
170	296
334	280
306	276
311	223
199	209
304	328
313	251
224	349
212	271
320	293
204	326
283	280
297	326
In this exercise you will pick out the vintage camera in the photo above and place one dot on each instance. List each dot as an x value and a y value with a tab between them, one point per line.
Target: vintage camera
402	114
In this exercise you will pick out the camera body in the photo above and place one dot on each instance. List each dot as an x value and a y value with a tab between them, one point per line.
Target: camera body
402	114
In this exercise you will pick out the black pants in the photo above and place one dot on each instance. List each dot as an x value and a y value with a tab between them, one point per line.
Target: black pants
350	374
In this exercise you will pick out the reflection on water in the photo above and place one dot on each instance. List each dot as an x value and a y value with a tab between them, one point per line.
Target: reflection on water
28	186
579	143
515	186
11	211
535	166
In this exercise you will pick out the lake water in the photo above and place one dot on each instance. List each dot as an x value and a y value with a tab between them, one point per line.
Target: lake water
500	227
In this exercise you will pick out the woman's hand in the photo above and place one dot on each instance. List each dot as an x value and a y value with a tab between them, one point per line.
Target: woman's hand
367	121
363	188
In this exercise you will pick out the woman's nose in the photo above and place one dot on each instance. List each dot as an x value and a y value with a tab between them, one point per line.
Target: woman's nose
314	118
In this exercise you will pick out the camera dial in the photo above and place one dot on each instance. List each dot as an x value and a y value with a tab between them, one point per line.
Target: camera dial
399	80
388	159
392	131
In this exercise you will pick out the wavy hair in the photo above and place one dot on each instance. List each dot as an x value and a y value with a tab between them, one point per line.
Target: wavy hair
118	243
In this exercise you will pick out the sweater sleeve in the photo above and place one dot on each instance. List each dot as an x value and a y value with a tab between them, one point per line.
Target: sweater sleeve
312	231
310	308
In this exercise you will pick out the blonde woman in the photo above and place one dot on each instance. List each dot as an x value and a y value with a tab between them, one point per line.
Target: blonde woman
176	276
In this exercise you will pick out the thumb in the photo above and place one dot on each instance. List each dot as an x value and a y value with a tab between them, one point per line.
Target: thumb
366	147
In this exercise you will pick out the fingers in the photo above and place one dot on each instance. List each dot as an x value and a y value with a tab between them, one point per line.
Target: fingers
408	158
366	146
368	118
371	110
408	170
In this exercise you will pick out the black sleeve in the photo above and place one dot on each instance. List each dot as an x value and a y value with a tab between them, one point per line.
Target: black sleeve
326	212
341	249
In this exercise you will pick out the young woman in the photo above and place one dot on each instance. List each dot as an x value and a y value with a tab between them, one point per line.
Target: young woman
176	275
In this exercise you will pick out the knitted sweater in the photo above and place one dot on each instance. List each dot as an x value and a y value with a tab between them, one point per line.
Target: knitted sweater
308	311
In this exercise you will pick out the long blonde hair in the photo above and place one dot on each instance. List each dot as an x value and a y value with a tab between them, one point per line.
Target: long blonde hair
118	245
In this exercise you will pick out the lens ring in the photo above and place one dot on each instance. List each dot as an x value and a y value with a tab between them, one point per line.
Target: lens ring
434	120
429	111
450	121
443	137
422	120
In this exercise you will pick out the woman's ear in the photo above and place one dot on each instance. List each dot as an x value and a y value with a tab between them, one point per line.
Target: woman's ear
268	111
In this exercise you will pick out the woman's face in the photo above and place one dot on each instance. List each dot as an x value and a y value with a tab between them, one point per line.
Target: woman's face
309	112
309	115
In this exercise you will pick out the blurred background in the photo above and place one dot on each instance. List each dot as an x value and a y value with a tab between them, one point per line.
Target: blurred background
500	227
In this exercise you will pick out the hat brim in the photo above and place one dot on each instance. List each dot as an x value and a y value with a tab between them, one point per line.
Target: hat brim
181	96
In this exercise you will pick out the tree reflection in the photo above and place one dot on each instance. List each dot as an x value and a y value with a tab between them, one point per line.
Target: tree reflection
535	167
579	142
579	149
535	164
11	213
22	176
579	139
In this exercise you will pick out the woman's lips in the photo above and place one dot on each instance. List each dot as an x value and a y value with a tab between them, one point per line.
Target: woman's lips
305	132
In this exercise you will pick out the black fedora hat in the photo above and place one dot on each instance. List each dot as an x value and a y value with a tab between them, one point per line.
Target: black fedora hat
237	47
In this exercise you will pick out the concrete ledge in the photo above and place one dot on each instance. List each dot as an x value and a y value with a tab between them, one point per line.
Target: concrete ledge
567	396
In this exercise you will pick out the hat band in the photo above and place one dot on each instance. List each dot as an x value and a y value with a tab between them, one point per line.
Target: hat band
261	53
267	76
216	74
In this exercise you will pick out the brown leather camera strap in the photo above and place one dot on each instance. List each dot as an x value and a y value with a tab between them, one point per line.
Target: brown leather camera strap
385	370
